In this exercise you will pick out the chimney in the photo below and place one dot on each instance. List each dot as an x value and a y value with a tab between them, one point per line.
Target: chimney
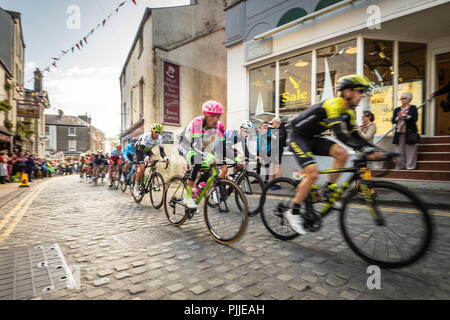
85	118
60	113
38	80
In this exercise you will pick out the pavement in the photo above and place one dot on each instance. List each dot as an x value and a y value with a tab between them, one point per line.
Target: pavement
121	250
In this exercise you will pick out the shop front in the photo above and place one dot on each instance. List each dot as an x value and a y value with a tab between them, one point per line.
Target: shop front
287	71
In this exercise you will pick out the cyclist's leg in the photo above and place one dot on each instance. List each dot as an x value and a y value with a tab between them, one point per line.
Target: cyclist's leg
140	156
301	148
340	156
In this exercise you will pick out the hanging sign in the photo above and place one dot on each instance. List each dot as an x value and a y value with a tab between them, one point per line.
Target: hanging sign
28	110
171	93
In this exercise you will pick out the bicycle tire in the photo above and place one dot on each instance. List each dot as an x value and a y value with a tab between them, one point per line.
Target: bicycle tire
142	194
117	180
174	219
242	214
408	202
273	218
161	185
124	183
132	183
250	192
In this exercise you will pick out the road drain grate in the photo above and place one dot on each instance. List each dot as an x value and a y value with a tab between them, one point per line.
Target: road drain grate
30	272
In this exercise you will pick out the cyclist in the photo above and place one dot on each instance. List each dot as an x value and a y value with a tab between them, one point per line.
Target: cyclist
99	163
305	140
129	154
196	145
82	165
115	160
144	148
233	137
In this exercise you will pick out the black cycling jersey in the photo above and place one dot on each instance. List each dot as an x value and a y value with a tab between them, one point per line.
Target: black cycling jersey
328	114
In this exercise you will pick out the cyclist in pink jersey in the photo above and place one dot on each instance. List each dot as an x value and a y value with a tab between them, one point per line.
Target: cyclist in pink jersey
196	144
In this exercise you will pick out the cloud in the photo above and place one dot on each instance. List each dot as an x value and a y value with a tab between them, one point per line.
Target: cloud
94	91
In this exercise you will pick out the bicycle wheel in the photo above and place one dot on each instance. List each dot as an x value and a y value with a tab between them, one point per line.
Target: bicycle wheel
252	186
274	204
225	212
124	182
399	235
143	187
117	180
157	190
173	201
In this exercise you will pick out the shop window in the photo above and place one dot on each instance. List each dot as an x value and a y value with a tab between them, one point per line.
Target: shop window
325	3
411	74
378	67
291	15
262	93
295	84
334	62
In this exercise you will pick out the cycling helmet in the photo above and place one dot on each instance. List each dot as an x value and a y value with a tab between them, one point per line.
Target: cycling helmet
212	107
134	140
100	151
353	81
247	124
119	147
156	128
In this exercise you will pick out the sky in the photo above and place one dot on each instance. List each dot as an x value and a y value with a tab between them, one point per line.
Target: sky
86	81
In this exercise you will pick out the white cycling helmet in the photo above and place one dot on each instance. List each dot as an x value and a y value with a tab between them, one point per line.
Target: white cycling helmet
247	124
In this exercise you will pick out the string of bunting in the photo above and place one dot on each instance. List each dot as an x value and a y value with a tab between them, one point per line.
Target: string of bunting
78	45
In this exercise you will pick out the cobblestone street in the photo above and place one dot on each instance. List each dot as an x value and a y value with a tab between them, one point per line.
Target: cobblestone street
125	250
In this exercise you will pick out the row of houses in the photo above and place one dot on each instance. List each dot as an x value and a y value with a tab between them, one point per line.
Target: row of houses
24	126
266	58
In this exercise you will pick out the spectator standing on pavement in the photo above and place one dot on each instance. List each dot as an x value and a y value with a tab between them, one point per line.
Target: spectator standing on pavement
368	128
278	142
21	163
30	167
405	118
263	150
3	166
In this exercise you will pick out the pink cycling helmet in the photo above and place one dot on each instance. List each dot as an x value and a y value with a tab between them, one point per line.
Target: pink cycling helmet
212	107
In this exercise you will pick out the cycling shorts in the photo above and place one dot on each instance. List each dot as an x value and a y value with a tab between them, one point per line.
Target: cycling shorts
141	153
304	148
114	160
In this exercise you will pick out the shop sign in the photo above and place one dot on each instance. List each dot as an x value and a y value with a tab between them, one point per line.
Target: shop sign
295	98
258	48
167	137
28	110
171	93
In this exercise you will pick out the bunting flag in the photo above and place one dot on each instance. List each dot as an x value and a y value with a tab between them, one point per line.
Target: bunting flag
79	44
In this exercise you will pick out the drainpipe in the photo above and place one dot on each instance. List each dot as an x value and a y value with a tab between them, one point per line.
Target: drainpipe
305	18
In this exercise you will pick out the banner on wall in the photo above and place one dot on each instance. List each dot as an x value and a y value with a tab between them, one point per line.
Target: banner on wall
171	93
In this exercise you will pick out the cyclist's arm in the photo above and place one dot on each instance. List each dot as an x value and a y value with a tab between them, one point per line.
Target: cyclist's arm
354	140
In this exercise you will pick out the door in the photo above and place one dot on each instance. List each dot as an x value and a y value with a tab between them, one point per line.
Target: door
443	77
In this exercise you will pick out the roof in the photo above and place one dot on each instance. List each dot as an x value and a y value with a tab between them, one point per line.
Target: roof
17	15
56	119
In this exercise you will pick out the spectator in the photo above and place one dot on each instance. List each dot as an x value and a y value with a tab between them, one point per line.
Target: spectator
263	150
21	164
278	142
3	166
405	118
445	105
368	129
30	167
12	166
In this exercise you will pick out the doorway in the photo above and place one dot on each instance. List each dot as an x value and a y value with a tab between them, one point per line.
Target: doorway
443	77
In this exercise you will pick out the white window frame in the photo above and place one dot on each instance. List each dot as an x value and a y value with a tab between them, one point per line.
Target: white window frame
72	145
72	134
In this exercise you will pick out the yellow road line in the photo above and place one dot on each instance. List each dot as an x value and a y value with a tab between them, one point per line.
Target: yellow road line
25	203
11	213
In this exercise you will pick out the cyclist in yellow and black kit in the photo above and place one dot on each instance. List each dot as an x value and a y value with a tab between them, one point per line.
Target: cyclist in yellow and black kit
305	140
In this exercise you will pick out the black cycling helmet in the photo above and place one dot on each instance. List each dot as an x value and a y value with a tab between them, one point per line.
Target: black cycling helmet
353	81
